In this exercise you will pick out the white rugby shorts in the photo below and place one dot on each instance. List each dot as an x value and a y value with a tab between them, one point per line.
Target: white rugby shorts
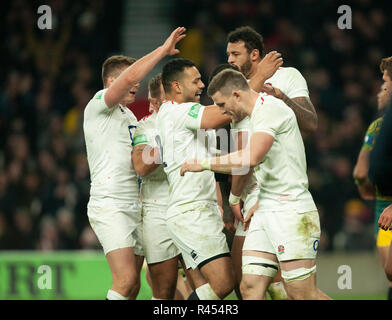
157	242
287	234
198	234
117	226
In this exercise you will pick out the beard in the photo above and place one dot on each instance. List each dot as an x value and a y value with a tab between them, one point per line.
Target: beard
246	68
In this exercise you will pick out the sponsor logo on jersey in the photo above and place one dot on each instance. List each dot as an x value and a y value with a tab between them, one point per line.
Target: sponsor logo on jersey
194	110
280	249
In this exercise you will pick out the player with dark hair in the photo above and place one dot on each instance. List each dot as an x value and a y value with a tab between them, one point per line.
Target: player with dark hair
245	50
161	253
285	229
193	215
109	126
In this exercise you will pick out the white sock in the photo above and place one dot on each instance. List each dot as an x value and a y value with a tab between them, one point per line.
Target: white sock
153	298
113	295
205	292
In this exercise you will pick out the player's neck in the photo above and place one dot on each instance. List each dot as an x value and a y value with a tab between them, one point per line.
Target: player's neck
253	70
250	102
175	97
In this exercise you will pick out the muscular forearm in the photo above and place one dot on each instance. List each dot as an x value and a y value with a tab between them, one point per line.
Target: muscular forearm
240	182
304	111
213	118
137	71
257	82
145	160
231	163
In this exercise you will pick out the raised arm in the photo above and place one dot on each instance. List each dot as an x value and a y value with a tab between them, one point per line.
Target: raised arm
213	118
265	70
137	71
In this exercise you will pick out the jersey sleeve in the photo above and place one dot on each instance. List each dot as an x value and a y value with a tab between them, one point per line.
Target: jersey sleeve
192	115
269	118
145	134
99	104
371	133
141	135
296	84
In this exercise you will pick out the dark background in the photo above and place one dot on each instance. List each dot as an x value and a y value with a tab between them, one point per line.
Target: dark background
48	76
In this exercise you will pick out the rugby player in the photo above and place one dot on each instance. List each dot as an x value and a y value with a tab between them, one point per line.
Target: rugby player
361	169
193	217
285	229
161	253
245	50
109	126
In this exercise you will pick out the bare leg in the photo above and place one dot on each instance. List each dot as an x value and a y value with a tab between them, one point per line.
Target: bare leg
254	286
304	289
125	268
220	275
164	278
236	256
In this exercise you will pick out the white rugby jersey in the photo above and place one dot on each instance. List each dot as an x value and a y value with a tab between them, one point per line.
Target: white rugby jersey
291	82
155	186
108	135
281	176
178	126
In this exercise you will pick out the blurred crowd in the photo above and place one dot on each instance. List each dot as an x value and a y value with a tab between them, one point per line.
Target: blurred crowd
343	75
49	76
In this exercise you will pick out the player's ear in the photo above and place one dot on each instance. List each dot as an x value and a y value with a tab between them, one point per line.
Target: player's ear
236	94
109	81
255	54
176	87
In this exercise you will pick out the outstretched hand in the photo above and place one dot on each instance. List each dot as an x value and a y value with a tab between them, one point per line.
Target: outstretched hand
192	165
170	44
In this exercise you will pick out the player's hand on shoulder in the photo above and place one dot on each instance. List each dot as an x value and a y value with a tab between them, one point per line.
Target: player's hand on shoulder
385	220
249	215
170	44
271	62
191	165
272	91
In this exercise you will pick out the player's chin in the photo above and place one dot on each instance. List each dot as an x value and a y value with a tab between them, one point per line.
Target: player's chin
233	117
197	97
